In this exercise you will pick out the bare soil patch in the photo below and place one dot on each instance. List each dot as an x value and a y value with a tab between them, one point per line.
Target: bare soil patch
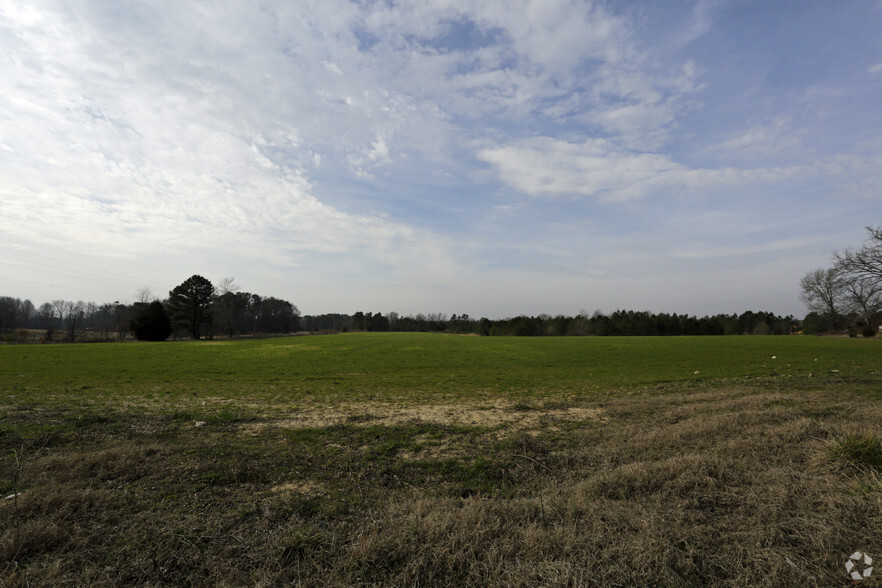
497	413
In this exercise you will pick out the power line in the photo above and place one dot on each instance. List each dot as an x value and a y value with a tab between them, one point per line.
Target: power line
54	285
69	274
90	268
131	281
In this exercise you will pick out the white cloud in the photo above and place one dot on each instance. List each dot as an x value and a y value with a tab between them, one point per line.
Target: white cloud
700	22
855	175
382	139
112	150
703	252
549	167
557	34
639	105
597	168
776	138
875	69
528	60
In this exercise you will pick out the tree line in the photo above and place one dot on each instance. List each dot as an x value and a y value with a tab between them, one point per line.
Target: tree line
195	308
198	309
619	323
847	295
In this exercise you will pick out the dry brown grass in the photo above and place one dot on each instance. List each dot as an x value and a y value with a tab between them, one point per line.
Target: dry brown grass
496	413
735	486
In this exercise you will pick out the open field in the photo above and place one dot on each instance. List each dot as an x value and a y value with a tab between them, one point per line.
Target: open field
416	459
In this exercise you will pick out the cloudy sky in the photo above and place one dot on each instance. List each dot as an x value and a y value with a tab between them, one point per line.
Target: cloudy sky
490	158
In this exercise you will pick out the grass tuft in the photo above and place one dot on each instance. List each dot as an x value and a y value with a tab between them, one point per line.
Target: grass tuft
860	451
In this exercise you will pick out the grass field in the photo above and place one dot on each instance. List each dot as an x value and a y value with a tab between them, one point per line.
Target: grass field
418	459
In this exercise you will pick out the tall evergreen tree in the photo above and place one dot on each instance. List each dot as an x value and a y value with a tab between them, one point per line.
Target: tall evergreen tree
190	304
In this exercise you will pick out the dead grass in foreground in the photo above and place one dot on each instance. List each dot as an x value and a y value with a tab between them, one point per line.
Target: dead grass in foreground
680	487
494	413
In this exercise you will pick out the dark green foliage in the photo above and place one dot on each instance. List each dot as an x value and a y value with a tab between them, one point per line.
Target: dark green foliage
190	304
14	313
327	322
371	322
242	313
813	324
619	323
152	323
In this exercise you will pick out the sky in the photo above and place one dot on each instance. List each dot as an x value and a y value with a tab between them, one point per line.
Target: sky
446	156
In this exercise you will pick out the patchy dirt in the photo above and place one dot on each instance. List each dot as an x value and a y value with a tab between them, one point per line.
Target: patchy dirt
304	487
485	414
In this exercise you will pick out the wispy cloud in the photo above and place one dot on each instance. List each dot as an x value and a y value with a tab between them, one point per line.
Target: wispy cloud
401	151
599	169
765	141
702	252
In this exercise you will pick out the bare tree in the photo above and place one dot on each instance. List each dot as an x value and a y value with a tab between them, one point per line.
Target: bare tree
45	318
60	307
144	295
104	320
861	272
393	320
866	261
822	291
863	296
227	285
226	303
74	312
26	313
90	316
121	317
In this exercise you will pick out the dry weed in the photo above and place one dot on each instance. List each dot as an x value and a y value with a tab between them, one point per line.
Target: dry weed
725	487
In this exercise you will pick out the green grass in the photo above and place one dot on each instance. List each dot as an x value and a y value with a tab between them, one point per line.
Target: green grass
387	366
856	450
415	459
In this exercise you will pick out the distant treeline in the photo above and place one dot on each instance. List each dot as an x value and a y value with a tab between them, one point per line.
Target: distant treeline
227	314
619	323
236	314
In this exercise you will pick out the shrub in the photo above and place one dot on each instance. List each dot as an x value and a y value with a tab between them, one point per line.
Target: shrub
152	323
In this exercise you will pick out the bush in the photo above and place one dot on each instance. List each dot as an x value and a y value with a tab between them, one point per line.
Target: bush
869	331
152	323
